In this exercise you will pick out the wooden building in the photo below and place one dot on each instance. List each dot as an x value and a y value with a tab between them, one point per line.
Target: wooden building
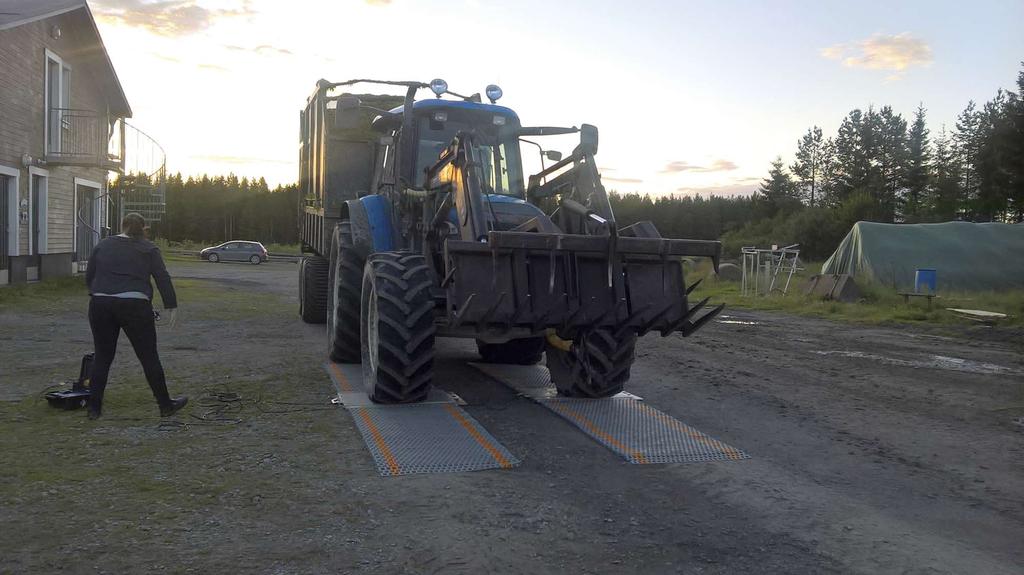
62	133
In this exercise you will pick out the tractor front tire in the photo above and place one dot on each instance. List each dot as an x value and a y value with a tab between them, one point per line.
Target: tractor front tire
522	351
313	289
597	365
346	278
397	327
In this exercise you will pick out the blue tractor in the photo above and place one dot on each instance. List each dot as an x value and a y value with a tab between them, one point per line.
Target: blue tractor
420	223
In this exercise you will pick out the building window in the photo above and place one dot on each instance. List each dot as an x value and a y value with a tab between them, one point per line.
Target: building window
58	102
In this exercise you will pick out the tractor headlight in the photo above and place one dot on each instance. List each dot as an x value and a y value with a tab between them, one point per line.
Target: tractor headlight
493	93
438	86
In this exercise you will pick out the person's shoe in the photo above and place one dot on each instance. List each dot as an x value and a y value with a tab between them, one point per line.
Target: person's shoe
173	407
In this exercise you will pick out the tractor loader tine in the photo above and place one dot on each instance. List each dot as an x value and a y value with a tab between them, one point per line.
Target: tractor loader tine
448	277
460	314
541	319
654	319
679	322
693	286
613	312
690	329
572	316
485	320
515	315
633	317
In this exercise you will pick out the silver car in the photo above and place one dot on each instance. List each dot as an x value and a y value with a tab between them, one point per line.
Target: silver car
236	251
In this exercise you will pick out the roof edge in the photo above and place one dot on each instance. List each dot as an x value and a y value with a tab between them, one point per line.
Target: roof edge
38	17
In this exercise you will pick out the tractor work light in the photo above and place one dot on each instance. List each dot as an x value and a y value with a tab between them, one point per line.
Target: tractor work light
493	93
438	87
440	116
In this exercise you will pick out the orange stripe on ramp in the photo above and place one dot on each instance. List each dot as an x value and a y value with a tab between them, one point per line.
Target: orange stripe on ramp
579	418
340	377
389	458
697	436
504	463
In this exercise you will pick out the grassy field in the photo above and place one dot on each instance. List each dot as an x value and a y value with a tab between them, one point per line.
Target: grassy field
879	305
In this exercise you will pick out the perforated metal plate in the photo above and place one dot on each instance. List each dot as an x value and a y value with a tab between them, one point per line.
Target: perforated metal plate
435	436
623	423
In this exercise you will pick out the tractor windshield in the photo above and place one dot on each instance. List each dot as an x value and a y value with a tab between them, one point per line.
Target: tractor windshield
498	154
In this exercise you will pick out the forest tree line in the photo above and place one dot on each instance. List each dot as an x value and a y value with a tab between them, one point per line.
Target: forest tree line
878	167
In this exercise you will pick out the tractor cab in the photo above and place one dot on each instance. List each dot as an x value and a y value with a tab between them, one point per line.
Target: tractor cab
437	122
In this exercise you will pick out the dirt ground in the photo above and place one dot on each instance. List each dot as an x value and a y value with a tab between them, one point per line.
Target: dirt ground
873	450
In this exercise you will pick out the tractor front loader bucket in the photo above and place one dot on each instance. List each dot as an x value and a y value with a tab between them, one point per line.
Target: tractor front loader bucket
536	281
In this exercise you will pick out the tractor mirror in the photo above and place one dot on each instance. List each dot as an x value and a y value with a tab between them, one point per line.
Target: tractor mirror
347	115
553	155
588	138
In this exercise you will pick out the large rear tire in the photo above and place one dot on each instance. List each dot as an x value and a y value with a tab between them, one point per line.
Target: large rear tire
397	327
346	296
522	351
597	365
313	289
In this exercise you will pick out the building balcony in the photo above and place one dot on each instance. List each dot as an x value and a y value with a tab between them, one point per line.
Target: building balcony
85	138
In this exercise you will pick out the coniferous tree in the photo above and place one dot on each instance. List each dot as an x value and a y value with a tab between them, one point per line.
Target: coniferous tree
778	192
807	167
890	161
945	193
967	142
918	165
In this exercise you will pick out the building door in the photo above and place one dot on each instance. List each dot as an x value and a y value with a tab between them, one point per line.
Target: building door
86	219
38	230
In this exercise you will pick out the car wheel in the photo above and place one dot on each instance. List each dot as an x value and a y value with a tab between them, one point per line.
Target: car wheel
213	258
255	260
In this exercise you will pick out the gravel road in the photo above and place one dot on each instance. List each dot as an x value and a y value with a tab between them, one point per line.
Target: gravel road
873	450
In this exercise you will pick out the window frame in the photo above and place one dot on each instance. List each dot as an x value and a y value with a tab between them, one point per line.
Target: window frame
63	92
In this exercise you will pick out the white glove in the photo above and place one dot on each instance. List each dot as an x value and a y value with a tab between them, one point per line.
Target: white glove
172	317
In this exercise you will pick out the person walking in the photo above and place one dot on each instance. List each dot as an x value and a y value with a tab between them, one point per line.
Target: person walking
118	279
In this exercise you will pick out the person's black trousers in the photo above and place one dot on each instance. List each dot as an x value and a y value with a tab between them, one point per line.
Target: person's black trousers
107	317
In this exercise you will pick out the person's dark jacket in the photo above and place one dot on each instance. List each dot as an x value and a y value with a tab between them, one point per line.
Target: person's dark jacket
119	264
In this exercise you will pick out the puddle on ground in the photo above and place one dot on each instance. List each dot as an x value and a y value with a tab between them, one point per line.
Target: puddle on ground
933	361
728	319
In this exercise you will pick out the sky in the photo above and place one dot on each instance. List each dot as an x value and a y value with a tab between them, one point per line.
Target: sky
690	97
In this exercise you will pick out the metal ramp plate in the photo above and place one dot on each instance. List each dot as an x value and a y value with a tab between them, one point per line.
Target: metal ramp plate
623	423
435	436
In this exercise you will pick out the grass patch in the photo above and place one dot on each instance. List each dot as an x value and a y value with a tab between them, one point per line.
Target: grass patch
879	304
39	294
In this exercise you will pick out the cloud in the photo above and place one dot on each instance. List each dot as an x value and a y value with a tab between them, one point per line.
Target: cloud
882	52
166	17
738	189
623	180
682	166
378	2
212	67
262	49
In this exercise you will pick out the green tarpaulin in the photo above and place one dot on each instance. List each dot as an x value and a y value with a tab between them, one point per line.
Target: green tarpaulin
965	256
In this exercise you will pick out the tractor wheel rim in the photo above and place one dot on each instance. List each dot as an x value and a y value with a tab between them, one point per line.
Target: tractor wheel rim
371	330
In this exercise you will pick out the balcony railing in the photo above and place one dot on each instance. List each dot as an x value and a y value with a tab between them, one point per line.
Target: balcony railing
84	138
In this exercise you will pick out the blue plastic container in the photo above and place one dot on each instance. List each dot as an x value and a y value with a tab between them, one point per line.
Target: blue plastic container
927	278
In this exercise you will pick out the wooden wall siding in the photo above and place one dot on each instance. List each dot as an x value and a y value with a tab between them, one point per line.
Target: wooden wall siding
22	114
